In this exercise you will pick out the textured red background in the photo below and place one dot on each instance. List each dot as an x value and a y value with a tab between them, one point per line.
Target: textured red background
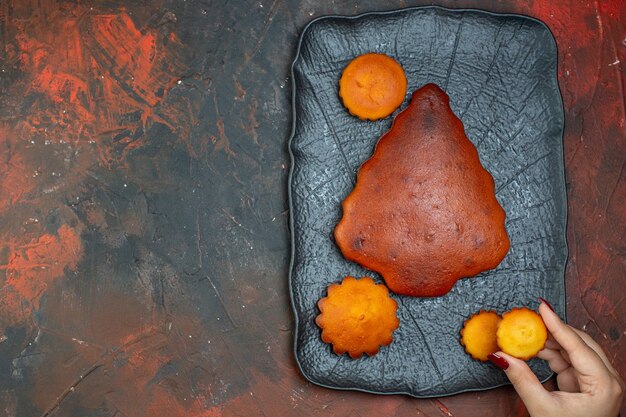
144	239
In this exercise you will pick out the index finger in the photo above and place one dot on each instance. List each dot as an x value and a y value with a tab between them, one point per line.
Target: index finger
583	358
552	344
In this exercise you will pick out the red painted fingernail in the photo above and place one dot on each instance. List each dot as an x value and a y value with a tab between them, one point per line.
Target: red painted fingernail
542	300
497	360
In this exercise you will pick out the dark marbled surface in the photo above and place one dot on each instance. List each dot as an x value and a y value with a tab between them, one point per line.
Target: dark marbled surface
144	218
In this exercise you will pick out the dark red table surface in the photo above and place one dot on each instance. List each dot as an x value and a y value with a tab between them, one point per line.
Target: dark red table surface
144	242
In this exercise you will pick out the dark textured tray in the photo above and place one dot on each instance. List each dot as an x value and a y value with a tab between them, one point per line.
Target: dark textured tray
500	74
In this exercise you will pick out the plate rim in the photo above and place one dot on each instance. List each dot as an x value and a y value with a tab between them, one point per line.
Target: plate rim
553	79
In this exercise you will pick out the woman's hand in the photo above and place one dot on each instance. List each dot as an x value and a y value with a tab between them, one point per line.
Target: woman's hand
589	385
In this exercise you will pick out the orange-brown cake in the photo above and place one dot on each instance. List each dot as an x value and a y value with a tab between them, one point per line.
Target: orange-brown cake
521	333
423	212
372	86
478	334
357	316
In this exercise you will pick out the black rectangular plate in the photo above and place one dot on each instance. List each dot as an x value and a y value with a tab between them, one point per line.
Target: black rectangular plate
500	74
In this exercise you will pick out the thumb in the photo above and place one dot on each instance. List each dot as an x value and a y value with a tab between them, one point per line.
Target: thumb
525	382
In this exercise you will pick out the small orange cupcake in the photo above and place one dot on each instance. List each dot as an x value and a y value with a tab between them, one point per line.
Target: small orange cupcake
357	316
372	86
478	334
521	333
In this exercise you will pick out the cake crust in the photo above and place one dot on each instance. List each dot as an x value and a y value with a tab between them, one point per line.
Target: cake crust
423	212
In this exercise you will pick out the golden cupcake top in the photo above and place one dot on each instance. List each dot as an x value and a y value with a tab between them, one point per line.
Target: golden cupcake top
521	333
372	86
478	335
357	316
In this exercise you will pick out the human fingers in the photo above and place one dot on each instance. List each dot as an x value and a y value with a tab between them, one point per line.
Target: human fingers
580	355
566	375
567	381
530	390
555	360
552	344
